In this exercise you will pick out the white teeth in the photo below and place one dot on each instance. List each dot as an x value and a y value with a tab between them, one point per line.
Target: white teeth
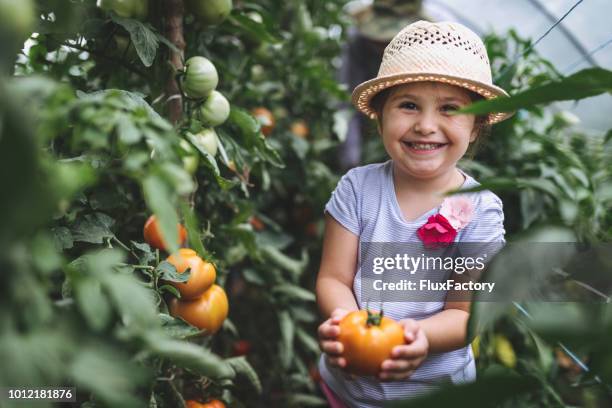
424	146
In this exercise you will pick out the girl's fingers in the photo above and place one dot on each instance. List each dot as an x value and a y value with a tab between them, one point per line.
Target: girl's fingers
337	315
328	331
337	361
411	327
409	352
397	366
333	348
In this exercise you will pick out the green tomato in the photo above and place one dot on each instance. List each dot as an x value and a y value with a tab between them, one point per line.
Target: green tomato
126	8
215	110
190	157
210	12
207	140
16	17
200	77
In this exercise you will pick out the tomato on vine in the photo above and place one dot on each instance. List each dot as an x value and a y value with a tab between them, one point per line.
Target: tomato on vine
126	8
153	237
206	312
207	139
200	77
215	110
202	273
368	339
210	12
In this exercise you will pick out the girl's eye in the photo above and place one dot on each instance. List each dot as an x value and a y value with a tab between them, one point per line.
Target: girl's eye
408	105
450	108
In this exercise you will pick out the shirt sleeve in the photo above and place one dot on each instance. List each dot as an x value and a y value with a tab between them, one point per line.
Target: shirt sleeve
344	203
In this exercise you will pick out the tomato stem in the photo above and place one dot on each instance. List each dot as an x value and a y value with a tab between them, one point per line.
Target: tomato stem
374	319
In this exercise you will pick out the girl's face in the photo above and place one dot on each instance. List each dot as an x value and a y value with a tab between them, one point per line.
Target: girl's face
419	132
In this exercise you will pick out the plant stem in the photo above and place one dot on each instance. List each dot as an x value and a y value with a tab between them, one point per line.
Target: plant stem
174	10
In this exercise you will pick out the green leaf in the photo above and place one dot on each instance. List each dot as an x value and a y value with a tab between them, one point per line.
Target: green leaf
176	328
92	303
145	40
296	267
308	341
253	138
135	304
242	366
523	271
211	163
190	356
128	133
583	84
491	390
168	272
306	400
251	28
116	378
171	289
287	330
63	238
191	224
157	194
93	228
293	291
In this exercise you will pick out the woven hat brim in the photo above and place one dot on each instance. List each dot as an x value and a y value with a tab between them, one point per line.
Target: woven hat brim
364	92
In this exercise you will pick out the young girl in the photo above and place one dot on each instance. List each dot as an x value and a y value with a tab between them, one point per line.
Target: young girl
428	71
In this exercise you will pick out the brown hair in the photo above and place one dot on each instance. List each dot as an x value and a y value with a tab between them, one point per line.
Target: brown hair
483	128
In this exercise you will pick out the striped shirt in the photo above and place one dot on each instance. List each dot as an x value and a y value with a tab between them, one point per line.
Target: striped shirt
364	202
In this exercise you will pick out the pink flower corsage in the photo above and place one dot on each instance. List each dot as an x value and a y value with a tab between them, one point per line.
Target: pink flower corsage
441	228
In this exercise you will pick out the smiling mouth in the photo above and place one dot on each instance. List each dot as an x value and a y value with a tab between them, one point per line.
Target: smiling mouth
424	146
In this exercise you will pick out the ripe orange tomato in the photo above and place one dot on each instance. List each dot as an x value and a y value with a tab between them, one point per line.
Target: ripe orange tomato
256	223
152	234
208	311
265	118
214	403
300	129
368	339
202	275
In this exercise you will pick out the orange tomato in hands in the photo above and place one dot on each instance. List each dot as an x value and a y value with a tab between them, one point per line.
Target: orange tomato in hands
367	339
202	273
214	403
207	312
153	236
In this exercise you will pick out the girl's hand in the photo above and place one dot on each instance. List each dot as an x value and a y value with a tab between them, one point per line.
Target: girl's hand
329	331
406	358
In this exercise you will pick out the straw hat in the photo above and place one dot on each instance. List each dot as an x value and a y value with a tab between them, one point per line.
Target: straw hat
442	52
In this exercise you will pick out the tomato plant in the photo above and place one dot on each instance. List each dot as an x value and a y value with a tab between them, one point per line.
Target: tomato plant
368	339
